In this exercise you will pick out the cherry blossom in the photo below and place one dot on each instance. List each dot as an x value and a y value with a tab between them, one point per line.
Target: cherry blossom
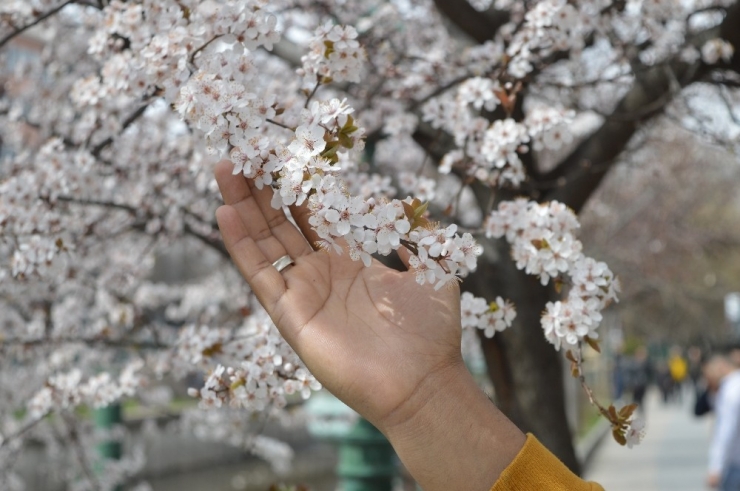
489	318
636	431
544	244
110	137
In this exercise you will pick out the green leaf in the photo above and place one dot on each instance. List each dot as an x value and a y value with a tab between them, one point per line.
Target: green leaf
593	343
419	211
346	141
408	210
349	123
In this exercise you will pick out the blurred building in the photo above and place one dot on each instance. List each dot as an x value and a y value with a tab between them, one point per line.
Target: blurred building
732	314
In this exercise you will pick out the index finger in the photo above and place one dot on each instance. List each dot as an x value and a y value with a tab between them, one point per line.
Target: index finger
266	282
301	214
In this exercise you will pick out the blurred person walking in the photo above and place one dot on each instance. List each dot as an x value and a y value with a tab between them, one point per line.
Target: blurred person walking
618	376
664	381
723	379
679	371
694	356
639	375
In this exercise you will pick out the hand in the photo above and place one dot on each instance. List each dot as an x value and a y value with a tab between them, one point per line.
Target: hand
714	480
370	335
386	346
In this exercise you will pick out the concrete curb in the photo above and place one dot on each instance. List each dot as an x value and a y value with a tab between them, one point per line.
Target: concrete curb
586	446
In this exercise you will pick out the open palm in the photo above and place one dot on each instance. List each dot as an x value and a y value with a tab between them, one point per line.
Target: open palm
371	335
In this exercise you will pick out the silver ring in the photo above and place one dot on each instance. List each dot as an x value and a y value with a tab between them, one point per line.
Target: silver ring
283	263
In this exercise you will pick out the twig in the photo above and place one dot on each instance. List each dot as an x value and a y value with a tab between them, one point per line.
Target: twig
211	242
113	343
191	60
93	202
80	452
25	428
313	92
126	123
728	104
438	91
621	79
589	392
40	19
277	123
410	246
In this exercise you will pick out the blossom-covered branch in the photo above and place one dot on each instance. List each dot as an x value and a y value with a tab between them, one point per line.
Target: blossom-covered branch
109	140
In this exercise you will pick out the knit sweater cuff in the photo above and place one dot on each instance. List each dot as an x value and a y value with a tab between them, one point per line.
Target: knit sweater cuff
536	469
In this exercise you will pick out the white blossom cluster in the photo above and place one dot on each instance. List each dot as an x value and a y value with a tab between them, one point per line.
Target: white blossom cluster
253	387
69	390
33	254
25	212
715	50
17	13
548	127
423	188
491	152
217	101
164	37
334	55
490	317
263	369
99	178
230	426
550	26
635	432
543	244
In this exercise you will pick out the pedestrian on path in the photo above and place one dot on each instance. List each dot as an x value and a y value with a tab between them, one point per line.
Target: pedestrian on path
694	357
664	381
724	452
640	375
679	371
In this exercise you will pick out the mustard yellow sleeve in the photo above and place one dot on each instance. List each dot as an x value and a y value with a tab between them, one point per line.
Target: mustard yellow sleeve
536	469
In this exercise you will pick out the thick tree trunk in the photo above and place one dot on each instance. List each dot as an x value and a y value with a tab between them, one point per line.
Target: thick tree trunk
525	369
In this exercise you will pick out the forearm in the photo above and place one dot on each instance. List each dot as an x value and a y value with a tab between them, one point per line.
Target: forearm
717	453
725	428
452	436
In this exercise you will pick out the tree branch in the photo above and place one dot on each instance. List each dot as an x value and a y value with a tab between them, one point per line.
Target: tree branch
479	26
93	202
38	20
80	452
126	123
602	149
211	241
22	430
111	343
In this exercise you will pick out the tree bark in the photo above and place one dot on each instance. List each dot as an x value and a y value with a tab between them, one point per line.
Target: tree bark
525	369
479	26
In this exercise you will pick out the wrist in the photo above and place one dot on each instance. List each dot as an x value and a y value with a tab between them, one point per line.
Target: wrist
416	409
449	435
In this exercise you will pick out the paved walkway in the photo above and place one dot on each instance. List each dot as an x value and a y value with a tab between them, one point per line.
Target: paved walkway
673	456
